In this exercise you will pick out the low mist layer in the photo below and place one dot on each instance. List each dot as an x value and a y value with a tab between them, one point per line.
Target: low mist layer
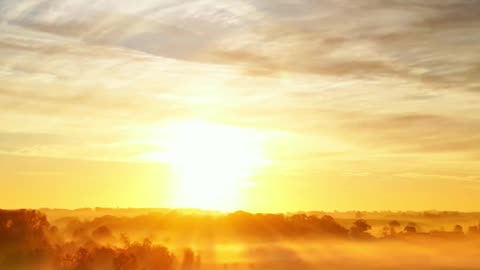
126	239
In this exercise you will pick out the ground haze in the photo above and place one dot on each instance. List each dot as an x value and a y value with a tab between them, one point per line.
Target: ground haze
131	239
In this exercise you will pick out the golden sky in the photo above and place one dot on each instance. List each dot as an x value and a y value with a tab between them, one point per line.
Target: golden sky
294	105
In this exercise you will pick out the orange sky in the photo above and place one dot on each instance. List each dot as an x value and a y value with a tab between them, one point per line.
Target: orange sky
323	105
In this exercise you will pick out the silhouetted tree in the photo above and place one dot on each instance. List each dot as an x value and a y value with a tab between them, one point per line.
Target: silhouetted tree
328	225
410	228
125	261
125	239
360	229
473	230
26	229
458	229
160	258
393	226
80	260
188	259
102	233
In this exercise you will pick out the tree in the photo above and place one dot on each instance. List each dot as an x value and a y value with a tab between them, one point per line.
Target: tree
360	229
188	259
102	233
410	228
328	225
473	230
125	261
458	229
393	225
24	228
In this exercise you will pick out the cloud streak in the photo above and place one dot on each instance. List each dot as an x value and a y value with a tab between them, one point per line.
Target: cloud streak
377	83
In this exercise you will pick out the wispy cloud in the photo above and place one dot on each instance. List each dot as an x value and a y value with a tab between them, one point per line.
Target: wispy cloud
356	79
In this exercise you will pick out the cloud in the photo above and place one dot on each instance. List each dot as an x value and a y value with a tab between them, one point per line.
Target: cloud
420	133
411	40
356	75
408	40
14	139
474	179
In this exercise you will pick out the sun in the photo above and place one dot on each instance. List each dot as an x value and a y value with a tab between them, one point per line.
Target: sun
211	164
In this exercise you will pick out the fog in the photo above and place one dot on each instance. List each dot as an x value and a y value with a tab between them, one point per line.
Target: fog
143	239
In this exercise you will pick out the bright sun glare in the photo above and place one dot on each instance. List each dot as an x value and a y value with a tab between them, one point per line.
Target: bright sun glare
211	164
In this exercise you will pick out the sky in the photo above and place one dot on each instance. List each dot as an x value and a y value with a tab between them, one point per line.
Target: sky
370	105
